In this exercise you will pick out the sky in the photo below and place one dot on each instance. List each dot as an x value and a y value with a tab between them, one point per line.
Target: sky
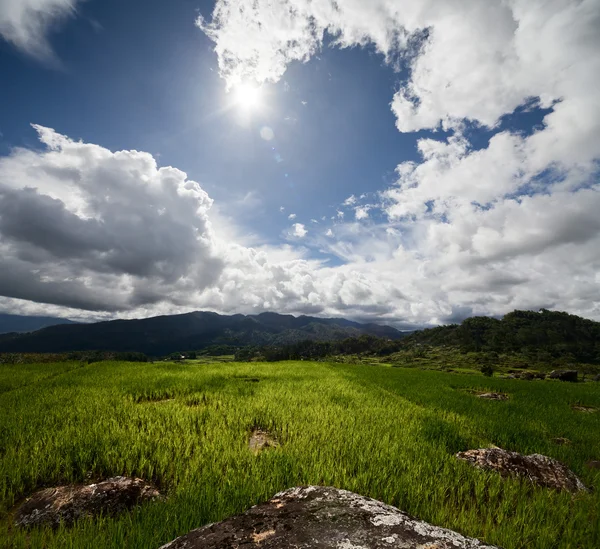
410	162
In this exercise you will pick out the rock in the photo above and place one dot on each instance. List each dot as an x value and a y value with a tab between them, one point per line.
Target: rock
65	504
493	396
582	408
563	375
561	441
260	440
593	464
316	517
539	469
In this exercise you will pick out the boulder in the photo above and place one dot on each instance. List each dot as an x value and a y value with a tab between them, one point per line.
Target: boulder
530	375
316	517
585	409
65	504
493	396
539	469
563	375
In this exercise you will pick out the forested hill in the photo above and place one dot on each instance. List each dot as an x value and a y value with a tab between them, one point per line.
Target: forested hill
192	331
557	333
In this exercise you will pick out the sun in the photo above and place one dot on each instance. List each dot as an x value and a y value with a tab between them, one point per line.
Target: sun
247	96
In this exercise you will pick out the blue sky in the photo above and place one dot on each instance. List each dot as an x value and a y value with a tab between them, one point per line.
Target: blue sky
152	84
458	145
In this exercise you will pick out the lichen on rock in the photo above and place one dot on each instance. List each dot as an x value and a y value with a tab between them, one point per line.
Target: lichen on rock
66	504
541	470
316	517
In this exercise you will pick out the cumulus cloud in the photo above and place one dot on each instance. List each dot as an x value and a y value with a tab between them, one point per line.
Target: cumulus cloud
361	212
470	230
84	227
90	233
292	216
298	230
25	23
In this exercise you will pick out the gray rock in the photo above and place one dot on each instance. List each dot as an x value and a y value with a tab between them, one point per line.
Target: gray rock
316	517
65	504
493	396
563	375
584	409
539	469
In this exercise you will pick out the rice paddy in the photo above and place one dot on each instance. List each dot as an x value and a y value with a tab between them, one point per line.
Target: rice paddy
386	433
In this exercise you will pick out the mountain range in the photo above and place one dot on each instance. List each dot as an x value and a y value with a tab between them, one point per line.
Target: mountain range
162	335
20	324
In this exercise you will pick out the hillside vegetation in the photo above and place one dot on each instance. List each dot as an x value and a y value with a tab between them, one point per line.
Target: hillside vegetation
163	335
522	338
387	433
550	332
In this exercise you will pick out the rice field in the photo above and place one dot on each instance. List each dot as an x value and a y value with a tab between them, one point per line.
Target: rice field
387	433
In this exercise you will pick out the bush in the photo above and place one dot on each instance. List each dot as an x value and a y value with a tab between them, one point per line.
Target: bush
487	370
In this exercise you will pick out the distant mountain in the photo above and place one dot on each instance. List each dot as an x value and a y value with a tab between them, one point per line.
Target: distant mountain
193	331
20	324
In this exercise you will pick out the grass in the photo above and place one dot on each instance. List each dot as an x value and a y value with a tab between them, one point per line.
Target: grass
388	433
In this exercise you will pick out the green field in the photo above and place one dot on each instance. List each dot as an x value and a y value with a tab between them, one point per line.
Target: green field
387	433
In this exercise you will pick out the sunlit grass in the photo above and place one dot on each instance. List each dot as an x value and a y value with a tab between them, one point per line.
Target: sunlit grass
388	433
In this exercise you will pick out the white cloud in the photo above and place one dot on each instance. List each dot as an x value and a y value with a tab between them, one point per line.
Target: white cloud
83	227
362	212
510	225
86	229
25	23
299	230
292	216
314	221
281	209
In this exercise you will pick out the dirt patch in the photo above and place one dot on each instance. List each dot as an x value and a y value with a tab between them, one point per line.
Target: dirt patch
261	440
585	409
66	504
539	469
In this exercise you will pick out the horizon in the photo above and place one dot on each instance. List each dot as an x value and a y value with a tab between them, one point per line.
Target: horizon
404	164
400	327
